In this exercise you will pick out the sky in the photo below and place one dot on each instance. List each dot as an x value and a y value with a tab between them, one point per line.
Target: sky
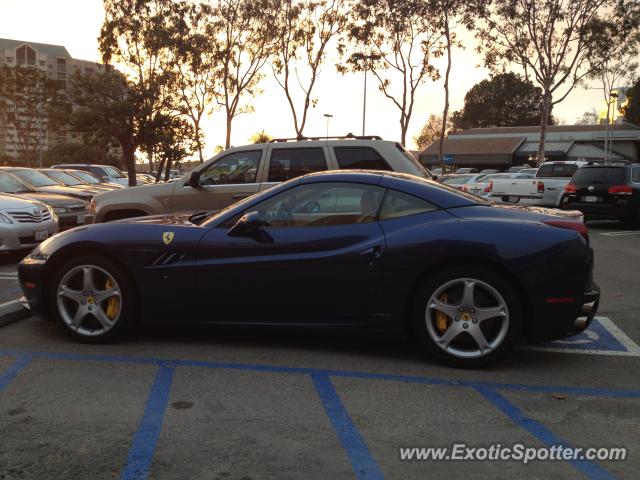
76	24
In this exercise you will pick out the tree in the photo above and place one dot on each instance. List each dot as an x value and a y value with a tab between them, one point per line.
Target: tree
590	117
555	42
138	36
397	37
430	133
504	100
104	106
260	137
244	42
632	107
304	30
195	65
24	96
83	152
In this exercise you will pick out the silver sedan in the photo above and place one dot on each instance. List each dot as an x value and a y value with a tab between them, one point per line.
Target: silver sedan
24	223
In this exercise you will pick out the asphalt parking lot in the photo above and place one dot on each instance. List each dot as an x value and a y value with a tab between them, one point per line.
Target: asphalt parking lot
238	404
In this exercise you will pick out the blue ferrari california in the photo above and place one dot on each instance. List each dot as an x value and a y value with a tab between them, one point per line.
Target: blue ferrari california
462	277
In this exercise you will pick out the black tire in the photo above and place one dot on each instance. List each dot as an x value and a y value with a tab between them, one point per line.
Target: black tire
418	322
128	306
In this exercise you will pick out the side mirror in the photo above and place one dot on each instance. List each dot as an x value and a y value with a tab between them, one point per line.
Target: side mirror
250	225
194	179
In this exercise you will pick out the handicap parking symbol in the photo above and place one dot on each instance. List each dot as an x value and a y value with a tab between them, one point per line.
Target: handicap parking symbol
603	337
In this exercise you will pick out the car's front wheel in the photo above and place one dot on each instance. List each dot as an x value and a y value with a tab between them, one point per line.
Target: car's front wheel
466	317
92	298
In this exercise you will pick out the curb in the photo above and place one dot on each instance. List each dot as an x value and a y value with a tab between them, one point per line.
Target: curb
12	311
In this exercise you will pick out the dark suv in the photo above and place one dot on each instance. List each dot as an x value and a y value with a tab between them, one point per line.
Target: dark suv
605	191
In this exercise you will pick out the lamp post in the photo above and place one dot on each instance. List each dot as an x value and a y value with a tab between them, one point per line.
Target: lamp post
328	116
364	100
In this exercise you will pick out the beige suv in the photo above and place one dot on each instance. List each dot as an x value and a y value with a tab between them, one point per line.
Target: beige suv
242	171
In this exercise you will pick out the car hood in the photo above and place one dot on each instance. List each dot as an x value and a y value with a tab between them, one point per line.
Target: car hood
8	200
65	191
169	219
54	199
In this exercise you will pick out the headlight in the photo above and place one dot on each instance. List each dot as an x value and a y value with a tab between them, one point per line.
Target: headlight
5	219
60	210
92	207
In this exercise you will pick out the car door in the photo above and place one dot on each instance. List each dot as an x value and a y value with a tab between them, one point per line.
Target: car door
315	263
222	182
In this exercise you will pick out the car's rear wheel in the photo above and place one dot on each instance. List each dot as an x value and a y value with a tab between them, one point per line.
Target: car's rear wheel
92	298
466	317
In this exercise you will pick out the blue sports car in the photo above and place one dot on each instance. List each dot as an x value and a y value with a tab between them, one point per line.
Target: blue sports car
462	277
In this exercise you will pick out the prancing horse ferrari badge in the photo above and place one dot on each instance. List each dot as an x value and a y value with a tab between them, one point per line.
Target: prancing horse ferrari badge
167	237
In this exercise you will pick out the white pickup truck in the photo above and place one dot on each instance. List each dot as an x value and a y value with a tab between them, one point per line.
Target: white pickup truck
545	189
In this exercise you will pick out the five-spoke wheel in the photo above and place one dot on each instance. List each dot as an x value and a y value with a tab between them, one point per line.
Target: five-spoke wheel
466	316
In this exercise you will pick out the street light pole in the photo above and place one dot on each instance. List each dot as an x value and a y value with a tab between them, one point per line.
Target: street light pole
364	100
328	116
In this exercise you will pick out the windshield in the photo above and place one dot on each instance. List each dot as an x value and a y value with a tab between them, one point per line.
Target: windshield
10	184
595	175
457	180
114	172
35	178
64	178
86	176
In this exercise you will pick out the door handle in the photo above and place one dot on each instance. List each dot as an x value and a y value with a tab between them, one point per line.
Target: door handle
236	196
373	252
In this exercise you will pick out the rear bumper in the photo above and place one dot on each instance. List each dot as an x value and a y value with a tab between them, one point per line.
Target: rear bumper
565	320
616	211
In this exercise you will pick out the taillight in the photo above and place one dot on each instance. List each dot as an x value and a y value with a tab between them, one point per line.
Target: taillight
620	190
465	188
489	187
570	188
540	187
579	227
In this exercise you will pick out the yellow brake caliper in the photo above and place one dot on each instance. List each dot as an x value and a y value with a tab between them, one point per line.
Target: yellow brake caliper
113	304
441	318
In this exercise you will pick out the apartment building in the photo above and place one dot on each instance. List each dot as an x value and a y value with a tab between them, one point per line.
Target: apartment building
55	61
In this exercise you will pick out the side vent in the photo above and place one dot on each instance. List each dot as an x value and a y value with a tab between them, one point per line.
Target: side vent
168	259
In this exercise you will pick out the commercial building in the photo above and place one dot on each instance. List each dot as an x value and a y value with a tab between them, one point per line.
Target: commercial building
503	147
55	61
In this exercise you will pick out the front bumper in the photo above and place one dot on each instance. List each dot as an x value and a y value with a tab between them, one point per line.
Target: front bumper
72	219
17	236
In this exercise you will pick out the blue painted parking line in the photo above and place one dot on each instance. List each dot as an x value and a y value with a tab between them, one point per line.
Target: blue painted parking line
603	337
7	376
363	464
591	469
145	439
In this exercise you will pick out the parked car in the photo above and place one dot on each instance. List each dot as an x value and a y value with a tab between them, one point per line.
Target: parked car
91	179
530	171
484	186
70	211
465	278
44	183
545	189
466	170
108	173
68	180
145	178
517	168
461	182
490	170
243	171
605	191
24	223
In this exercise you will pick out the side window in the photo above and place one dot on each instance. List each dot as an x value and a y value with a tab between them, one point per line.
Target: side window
237	167
322	204
288	163
398	204
635	175
360	158
95	170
